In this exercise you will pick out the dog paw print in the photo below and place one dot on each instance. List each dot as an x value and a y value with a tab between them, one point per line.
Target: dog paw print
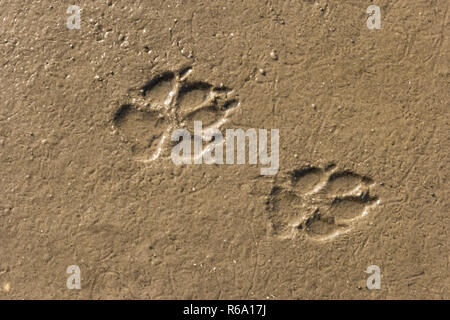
167	102
320	202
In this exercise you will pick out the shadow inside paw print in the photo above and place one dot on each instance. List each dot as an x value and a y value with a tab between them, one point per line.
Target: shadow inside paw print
321	202
168	102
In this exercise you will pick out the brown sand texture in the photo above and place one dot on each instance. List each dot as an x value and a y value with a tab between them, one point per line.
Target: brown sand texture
87	177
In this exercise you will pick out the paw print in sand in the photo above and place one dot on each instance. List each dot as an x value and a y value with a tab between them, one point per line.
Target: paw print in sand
168	102
321	202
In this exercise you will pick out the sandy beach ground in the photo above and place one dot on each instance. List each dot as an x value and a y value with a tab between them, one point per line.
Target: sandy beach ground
87	179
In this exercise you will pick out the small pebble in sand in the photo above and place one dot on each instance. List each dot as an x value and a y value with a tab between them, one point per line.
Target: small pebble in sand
6	287
273	55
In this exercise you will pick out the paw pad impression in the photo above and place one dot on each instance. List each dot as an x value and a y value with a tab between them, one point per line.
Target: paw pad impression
168	102
321	202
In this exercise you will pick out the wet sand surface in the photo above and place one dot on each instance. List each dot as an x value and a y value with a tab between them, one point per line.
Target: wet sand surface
86	175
